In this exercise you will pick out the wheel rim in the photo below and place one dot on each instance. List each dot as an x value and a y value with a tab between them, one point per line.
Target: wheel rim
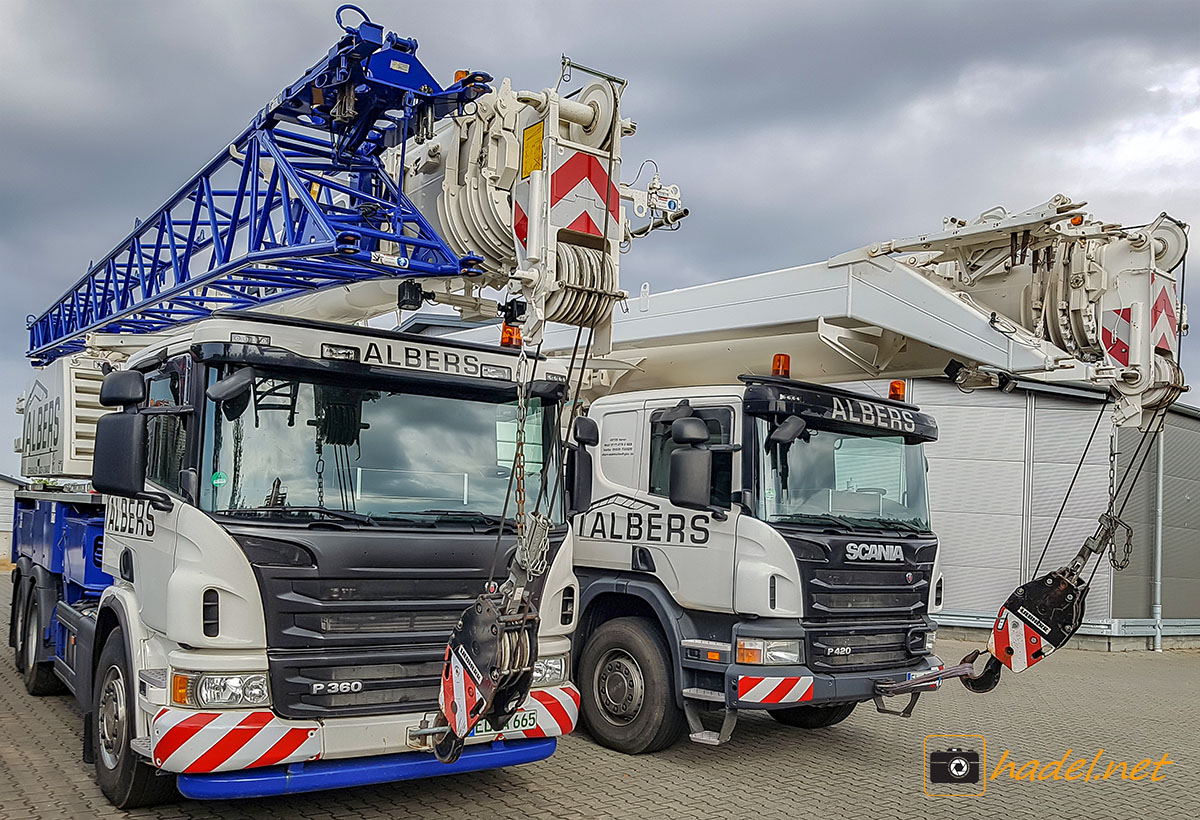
111	715
619	686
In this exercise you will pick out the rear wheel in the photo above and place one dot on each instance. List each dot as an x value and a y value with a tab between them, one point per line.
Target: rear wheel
39	677
17	618
813	717
126	780
628	697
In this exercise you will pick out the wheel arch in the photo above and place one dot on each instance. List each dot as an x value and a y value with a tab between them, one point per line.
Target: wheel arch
606	599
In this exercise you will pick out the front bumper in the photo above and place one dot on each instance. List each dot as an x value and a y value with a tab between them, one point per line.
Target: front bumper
207	742
338	774
779	687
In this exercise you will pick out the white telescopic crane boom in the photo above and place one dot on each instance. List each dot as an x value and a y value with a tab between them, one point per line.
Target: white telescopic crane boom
1050	294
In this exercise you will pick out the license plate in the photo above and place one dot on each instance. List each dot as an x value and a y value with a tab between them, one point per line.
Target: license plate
521	721
935	685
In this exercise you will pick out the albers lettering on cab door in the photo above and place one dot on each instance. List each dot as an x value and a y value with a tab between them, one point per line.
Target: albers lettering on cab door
131	517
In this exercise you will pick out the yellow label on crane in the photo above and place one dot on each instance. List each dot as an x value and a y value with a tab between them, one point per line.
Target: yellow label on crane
531	148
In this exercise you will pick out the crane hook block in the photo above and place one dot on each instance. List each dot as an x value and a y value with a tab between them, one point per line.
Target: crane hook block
1038	618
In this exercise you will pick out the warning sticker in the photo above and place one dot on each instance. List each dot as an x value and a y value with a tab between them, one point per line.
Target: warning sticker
531	148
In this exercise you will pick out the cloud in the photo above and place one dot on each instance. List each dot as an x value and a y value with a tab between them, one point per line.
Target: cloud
796	130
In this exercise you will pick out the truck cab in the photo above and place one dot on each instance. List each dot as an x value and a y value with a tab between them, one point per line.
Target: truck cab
295	516
764	546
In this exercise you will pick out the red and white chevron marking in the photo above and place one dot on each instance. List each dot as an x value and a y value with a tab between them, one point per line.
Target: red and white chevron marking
459	697
557	710
1164	321
188	741
1010	632
1115	335
753	689
579	186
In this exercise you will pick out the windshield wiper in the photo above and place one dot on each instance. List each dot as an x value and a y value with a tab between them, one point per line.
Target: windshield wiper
345	515
466	517
814	518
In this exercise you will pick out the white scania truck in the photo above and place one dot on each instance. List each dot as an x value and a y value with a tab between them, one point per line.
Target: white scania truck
297	509
758	542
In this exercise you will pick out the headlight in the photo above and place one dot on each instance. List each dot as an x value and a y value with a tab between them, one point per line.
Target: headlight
768	651
930	640
220	690
550	671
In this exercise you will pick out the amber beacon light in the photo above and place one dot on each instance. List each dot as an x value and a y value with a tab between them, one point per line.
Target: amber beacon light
781	366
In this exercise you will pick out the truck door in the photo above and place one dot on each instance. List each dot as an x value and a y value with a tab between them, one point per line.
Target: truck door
632	524
139	541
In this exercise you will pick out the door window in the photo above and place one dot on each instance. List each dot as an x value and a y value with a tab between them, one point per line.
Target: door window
720	430
166	433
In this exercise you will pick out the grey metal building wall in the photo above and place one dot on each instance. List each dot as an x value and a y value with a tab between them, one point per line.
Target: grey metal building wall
999	475
978	487
1181	525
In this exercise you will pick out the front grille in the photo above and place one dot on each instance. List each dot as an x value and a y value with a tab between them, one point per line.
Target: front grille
383	637
367	683
838	592
837	651
863	617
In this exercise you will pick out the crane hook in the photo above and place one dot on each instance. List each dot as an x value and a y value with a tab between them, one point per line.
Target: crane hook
986	680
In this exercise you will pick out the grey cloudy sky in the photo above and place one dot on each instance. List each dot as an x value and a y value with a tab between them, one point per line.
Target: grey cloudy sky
796	130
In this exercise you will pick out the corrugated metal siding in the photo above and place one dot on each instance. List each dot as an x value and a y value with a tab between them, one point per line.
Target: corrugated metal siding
1181	525
6	506
976	491
1061	430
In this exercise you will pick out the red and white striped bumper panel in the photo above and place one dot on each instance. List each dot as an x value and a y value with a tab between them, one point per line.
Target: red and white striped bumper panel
202	742
557	711
754	689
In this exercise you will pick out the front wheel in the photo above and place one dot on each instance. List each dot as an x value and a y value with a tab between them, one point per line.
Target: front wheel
628	689
813	717
125	779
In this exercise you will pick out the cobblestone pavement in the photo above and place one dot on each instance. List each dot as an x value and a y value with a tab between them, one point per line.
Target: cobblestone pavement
1130	705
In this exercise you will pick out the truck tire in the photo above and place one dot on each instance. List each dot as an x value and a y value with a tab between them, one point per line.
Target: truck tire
813	717
628	689
17	619
126	780
39	677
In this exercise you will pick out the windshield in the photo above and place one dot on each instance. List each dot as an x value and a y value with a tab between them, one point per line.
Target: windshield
290	447
823	477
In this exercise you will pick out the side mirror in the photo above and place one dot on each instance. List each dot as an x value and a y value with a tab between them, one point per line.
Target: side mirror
587	432
122	388
691	431
579	464
119	458
691	477
232	386
788	431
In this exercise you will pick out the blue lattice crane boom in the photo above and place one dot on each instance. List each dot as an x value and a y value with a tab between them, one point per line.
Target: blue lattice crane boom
298	201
